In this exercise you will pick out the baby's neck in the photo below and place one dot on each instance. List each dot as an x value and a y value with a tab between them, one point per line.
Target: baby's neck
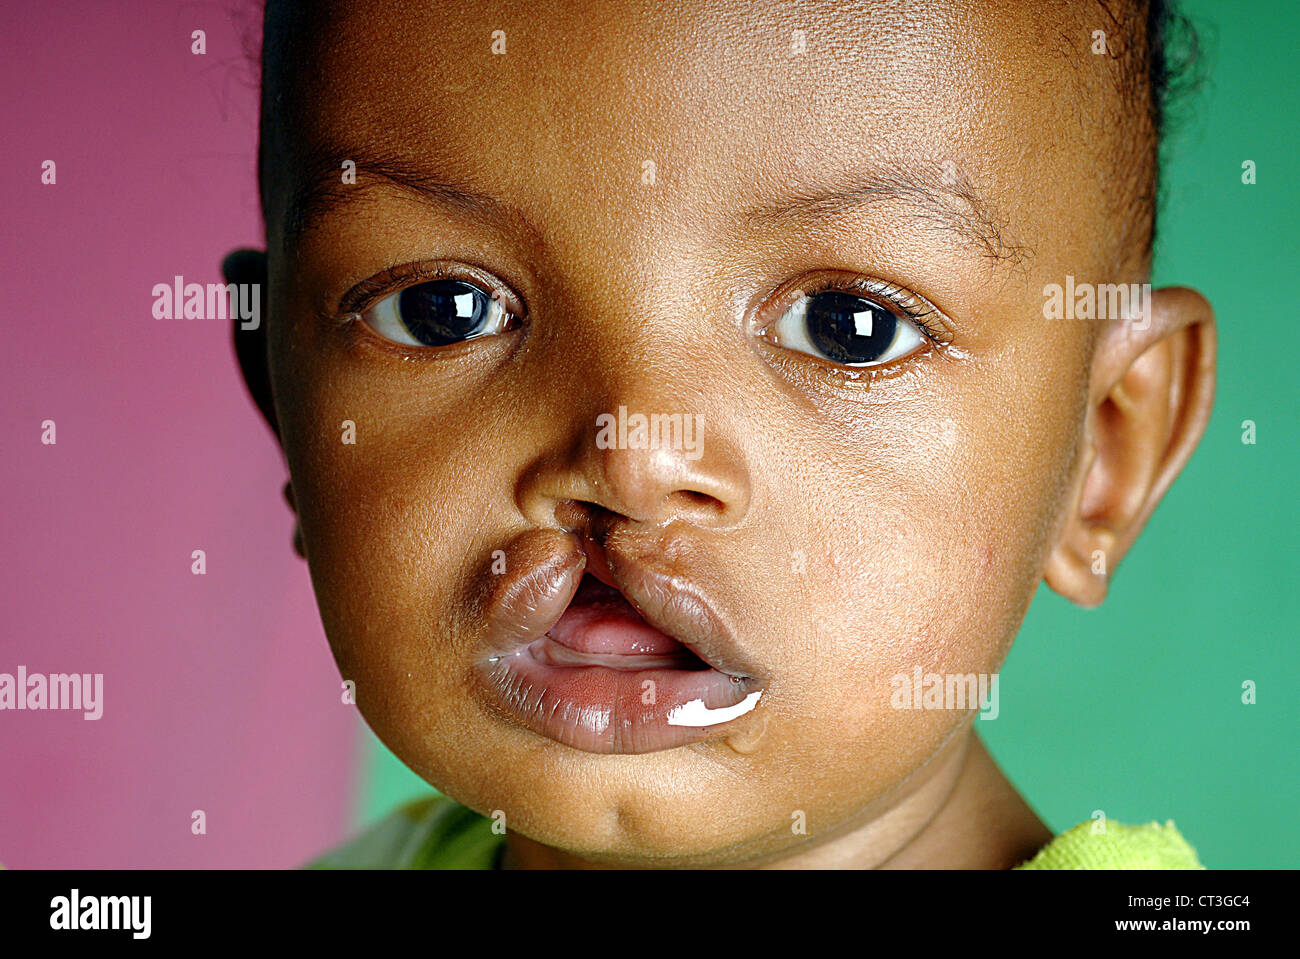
983	823
959	812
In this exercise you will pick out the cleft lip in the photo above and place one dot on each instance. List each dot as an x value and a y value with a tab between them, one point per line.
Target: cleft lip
677	607
544	572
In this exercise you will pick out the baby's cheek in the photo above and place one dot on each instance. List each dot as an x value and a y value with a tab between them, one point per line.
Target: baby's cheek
390	523
925	571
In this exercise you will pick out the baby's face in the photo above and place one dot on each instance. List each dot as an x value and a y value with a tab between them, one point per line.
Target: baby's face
819	239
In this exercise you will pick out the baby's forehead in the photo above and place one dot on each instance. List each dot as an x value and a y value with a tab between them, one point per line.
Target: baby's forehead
974	117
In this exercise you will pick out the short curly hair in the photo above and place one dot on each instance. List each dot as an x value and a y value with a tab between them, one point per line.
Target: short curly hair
1173	70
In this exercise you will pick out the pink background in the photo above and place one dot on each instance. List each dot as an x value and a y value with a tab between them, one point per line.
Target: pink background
219	690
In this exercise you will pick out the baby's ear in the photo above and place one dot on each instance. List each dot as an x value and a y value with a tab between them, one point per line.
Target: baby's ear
1152	389
249	266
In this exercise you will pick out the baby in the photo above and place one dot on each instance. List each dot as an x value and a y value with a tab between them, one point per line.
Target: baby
664	386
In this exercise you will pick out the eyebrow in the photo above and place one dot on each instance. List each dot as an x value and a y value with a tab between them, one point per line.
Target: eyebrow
322	189
948	202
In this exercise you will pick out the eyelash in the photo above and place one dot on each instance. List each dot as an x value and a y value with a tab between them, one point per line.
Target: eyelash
396	278
908	304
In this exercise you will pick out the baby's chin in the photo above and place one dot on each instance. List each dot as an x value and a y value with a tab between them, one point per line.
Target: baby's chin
706	804
627	823
668	807
670	811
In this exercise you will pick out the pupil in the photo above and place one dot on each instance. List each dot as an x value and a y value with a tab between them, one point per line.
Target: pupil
849	329
443	311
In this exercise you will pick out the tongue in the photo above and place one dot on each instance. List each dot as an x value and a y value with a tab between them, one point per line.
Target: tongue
600	620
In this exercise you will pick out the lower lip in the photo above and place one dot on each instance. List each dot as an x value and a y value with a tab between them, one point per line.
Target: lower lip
603	681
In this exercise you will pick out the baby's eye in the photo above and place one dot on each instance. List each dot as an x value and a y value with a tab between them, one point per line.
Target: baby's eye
847	329
438	313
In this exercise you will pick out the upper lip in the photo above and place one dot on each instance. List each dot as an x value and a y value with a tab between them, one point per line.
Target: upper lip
672	604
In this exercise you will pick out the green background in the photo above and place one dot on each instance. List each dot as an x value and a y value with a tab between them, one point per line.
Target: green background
1135	708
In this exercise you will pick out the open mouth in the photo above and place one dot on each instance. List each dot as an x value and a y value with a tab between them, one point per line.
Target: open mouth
601	628
605	669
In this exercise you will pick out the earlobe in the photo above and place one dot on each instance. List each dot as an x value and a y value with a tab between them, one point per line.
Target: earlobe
249	266
1151	396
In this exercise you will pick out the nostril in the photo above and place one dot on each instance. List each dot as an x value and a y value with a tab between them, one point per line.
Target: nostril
696	502
599	520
